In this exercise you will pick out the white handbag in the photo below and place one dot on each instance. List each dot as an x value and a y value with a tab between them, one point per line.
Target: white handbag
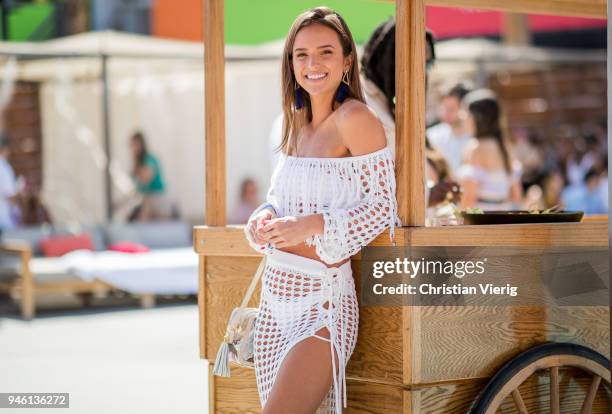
237	345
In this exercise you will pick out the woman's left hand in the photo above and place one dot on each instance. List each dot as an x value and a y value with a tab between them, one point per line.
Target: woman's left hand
289	231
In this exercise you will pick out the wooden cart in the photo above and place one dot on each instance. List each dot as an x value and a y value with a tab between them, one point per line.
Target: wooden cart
416	359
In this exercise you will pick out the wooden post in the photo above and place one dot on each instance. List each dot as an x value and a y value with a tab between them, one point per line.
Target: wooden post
516	29
211	390
214	109
410	110
410	159
106	133
202	305
27	286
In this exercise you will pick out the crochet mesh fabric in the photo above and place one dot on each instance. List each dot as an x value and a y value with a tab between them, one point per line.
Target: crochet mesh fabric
295	304
356	196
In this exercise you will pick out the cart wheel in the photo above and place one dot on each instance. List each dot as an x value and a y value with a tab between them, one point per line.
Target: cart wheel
550	357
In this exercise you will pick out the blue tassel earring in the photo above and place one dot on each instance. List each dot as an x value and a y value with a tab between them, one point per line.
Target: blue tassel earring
299	100
343	89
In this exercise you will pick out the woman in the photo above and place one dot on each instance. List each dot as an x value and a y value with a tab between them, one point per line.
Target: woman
332	192
489	177
378	67
247	202
147	176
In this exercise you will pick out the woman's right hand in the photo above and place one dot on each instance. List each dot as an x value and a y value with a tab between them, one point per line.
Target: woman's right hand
255	223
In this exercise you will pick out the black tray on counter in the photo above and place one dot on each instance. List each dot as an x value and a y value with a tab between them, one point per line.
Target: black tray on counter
521	217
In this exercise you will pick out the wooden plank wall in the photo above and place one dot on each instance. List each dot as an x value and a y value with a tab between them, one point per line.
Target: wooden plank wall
240	396
467	342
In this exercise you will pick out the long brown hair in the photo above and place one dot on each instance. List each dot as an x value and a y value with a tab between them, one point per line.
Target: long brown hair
486	111
295	119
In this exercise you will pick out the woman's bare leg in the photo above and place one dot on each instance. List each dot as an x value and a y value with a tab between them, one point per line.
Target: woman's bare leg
304	377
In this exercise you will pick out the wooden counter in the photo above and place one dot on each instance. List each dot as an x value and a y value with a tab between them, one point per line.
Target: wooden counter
230	241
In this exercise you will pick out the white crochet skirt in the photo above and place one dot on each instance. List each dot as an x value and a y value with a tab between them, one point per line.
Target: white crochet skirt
294	292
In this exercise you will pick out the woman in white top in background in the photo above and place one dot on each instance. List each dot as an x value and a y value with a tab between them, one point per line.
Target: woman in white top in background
490	178
332	192
378	79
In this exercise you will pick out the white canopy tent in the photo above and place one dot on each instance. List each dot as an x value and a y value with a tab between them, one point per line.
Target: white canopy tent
154	85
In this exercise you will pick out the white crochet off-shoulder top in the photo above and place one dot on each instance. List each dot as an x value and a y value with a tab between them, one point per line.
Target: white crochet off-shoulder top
356	196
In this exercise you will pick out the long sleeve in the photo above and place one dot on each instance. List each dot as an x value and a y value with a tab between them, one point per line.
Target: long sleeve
347	230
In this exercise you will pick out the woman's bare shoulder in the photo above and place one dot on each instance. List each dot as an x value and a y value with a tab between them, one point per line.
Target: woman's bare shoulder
359	127
484	152
473	152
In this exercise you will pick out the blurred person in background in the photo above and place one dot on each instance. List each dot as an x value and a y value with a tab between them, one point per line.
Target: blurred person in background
443	188
147	176
9	215
490	177
529	150
603	184
249	201
534	198
32	205
586	196
378	76
582	159
552	186
545	193
378	81
450	136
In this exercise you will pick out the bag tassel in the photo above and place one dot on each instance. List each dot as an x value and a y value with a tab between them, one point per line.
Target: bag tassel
221	367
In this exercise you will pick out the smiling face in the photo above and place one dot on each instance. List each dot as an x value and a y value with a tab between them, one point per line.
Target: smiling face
318	49
318	61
